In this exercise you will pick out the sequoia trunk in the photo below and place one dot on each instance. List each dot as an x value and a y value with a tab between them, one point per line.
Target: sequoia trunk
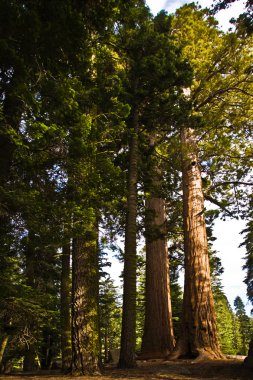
158	338
199	336
128	332
85	329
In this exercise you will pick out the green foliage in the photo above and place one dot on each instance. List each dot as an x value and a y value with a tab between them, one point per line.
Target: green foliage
140	301
248	243
177	305
221	105
227	325
67	96
245	326
110	317
235	329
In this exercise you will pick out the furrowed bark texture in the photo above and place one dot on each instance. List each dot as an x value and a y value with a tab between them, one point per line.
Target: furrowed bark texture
128	332
65	309
199	336
158	338
85	326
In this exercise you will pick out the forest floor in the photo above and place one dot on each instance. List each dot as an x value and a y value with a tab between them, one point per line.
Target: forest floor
232	369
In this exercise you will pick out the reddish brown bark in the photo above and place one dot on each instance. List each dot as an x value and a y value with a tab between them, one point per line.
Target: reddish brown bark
128	331
85	329
199	336
158	338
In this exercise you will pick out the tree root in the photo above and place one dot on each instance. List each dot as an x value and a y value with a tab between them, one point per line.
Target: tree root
201	355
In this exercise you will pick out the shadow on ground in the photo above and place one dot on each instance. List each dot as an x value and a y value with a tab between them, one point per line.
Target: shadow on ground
157	369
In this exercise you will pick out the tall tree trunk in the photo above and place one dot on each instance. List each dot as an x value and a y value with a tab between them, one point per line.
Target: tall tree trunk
46	357
128	331
106	347
29	364
3	344
65	309
85	329
12	111
199	337
158	338
248	362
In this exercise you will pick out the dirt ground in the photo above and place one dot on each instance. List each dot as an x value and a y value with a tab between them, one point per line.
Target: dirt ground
157	369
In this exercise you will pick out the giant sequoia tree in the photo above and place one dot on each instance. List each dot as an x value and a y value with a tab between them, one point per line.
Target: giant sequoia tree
214	120
158	336
90	115
147	48
199	336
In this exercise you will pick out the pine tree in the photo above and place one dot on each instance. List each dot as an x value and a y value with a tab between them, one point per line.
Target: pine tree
110	317
229	335
244	325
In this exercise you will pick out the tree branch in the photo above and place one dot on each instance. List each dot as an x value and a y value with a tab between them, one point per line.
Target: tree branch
217	203
230	183
223	91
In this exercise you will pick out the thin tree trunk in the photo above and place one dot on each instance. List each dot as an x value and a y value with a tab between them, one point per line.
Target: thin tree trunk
46	357
128	331
106	348
3	345
12	107
29	364
199	337
85	329
158	338
65	309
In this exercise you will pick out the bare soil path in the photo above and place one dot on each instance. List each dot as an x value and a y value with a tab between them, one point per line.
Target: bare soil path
158	370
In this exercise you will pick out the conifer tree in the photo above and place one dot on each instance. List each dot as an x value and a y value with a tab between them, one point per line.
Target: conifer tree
110	317
244	325
228	327
199	335
206	106
144	39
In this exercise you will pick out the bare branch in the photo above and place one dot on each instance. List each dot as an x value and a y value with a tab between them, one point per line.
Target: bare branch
234	183
217	203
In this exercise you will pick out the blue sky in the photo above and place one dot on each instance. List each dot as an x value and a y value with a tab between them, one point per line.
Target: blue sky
223	16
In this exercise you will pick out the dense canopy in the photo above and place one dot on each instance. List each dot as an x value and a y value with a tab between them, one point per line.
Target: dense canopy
119	124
